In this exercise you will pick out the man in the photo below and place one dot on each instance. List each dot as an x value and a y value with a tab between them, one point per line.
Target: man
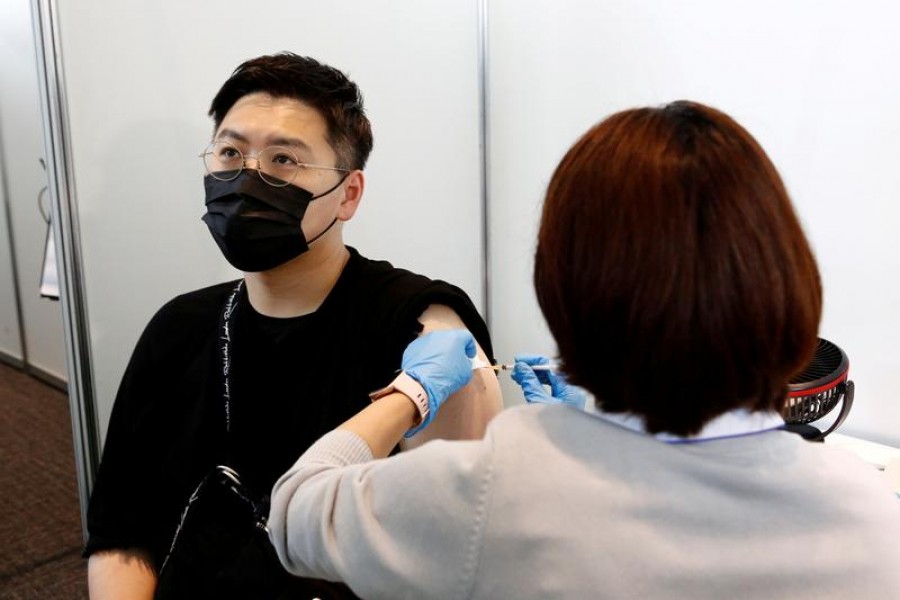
248	374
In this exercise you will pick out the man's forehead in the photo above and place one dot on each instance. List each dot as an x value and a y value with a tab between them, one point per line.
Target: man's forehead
273	139
279	121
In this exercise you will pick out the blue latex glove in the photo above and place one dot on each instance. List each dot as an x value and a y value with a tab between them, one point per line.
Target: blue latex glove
441	361
532	383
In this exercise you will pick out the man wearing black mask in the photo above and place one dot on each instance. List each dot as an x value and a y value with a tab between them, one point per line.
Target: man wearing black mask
247	374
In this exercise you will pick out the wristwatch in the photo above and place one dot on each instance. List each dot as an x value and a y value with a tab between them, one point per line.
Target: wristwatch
410	388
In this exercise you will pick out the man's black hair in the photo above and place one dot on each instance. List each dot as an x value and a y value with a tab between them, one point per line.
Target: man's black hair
328	90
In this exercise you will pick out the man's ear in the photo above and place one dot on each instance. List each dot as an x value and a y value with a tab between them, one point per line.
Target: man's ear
353	191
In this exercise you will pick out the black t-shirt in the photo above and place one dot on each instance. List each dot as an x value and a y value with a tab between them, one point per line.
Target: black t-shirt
292	380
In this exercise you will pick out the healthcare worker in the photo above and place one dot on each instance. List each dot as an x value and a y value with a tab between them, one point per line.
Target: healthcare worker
682	293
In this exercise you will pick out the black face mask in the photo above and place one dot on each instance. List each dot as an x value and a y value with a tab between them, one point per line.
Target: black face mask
256	225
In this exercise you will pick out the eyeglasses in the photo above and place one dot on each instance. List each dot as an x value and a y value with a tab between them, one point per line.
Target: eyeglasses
278	166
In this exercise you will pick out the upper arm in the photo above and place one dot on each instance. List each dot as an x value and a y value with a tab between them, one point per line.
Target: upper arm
466	413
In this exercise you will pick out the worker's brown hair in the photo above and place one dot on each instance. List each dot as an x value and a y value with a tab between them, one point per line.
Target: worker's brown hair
673	271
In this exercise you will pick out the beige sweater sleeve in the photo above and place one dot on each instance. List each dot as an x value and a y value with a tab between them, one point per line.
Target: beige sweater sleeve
408	526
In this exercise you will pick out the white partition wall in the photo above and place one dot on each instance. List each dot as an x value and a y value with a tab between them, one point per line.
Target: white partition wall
23	230
813	81
10	332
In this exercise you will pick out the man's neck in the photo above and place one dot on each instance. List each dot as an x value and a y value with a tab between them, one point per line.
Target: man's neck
298	287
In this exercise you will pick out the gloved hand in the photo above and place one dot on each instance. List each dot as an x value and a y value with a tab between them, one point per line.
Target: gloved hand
533	382
441	361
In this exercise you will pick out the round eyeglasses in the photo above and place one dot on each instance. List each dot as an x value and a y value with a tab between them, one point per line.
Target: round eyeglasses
277	165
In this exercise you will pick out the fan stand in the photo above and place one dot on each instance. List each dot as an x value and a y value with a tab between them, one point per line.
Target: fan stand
808	432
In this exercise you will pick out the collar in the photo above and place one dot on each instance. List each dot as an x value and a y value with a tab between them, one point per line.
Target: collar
735	423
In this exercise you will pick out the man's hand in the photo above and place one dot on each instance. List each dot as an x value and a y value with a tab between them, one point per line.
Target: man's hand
121	575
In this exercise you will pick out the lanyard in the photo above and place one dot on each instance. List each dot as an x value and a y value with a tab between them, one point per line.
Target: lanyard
226	349
224	474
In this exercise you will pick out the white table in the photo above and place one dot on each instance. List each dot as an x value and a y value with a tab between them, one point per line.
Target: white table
884	458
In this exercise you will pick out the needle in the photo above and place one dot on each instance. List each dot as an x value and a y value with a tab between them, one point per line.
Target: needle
533	367
477	364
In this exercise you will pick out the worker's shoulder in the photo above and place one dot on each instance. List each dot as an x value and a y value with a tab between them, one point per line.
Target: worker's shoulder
522	419
539	424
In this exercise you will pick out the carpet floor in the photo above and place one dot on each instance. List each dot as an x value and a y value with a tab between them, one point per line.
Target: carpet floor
40	519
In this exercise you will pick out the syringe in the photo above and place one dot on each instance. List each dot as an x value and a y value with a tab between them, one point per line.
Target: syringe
480	364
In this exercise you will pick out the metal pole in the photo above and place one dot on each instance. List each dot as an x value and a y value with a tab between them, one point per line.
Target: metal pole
484	139
63	206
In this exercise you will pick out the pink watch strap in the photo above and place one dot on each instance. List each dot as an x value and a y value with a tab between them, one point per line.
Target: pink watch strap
410	388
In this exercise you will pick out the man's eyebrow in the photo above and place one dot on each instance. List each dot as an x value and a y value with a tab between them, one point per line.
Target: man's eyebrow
273	141
231	133
286	141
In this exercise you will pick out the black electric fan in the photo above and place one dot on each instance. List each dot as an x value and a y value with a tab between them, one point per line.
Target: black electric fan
815	391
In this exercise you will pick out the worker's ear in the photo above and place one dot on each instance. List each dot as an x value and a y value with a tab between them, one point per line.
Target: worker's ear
353	191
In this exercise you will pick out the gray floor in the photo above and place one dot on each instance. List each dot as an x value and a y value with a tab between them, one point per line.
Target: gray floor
40	520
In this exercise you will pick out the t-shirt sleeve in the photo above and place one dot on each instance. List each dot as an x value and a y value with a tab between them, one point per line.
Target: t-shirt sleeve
133	503
399	300
118	515
441	292
409	526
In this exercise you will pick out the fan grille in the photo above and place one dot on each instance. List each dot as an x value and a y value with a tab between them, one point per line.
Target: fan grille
828	364
806	409
816	390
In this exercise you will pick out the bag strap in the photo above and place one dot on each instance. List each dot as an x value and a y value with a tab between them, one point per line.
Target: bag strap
221	475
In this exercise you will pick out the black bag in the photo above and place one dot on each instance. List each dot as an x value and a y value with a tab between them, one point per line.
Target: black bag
221	550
